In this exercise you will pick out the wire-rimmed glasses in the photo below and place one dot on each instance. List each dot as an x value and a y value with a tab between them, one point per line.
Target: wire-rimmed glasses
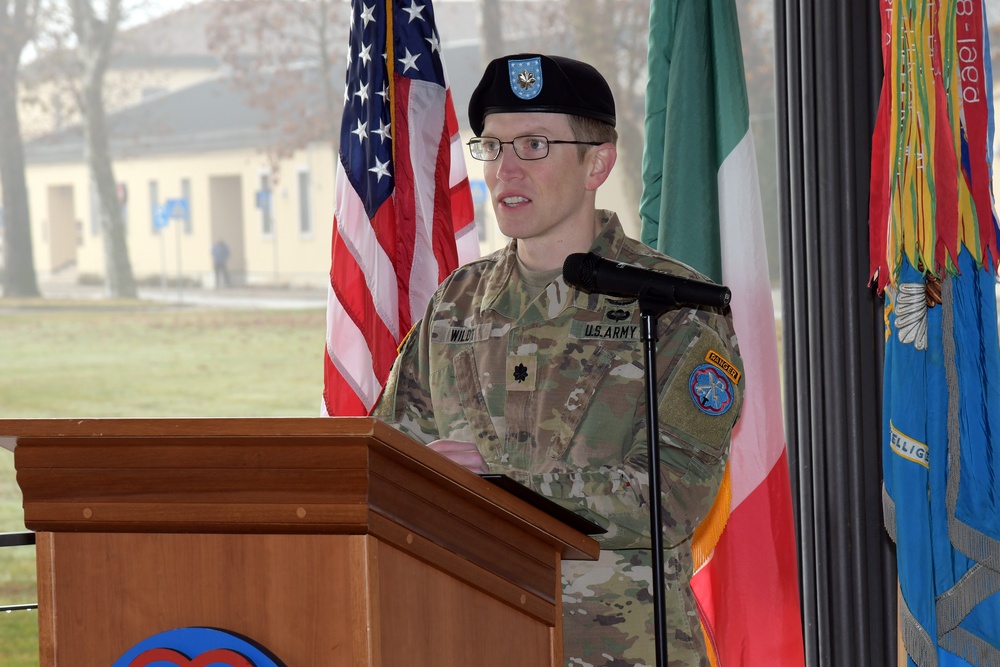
527	147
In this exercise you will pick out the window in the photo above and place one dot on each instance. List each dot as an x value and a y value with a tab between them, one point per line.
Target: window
264	205
305	201
186	196
154	203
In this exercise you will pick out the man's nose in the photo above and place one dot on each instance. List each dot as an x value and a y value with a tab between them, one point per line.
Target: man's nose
508	163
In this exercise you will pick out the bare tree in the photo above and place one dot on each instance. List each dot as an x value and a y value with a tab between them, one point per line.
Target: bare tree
491	30
285	56
95	38
611	35
18	21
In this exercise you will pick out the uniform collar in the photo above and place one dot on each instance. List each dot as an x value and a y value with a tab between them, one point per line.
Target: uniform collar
512	303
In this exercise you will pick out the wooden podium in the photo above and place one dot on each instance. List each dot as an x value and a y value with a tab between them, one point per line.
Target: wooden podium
329	542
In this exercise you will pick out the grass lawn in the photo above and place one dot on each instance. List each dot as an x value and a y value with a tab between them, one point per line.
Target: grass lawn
136	360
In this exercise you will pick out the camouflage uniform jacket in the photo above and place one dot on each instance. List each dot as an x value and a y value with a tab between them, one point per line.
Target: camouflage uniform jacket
552	392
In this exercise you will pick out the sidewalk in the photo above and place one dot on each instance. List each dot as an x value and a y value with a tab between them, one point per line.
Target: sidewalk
253	297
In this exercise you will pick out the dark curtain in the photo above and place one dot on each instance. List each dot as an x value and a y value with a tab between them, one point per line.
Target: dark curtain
829	74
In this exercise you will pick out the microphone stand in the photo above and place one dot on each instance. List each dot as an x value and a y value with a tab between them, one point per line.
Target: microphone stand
657	294
650	308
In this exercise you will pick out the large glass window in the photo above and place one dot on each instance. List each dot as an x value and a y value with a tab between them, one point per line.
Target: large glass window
200	96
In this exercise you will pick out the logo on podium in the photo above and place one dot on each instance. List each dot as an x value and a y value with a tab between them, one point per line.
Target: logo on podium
197	647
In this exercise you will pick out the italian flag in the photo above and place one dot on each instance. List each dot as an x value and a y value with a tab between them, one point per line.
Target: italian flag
701	205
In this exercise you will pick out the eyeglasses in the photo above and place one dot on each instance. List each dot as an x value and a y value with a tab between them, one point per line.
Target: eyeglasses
528	147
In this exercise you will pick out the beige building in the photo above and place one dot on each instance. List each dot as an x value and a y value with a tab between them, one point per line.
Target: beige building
193	137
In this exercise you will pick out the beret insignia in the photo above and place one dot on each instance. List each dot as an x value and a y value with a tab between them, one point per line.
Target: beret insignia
525	77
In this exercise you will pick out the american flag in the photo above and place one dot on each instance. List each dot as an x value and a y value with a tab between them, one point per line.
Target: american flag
403	218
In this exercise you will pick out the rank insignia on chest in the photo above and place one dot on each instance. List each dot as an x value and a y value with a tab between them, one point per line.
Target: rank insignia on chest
521	373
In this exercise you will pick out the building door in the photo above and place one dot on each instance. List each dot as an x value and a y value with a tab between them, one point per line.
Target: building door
225	194
65	231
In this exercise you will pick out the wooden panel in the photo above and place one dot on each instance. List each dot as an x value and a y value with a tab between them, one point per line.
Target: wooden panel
543	605
464	528
360	427
429	619
364	589
192	517
296	595
46	603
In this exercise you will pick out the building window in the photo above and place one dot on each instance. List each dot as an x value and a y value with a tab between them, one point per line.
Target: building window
305	204
264	205
154	204
186	196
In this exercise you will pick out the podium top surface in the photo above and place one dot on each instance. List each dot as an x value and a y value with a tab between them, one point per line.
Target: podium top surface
11	430
266	475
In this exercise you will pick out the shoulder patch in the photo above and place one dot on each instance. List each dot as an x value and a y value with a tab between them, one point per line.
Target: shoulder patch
711	389
727	366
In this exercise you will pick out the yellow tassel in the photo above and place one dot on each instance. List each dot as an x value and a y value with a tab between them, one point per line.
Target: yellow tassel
709	532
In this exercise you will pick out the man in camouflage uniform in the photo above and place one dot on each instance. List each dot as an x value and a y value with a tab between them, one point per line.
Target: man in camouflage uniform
513	371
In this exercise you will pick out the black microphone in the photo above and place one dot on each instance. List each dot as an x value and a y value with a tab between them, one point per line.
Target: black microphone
591	273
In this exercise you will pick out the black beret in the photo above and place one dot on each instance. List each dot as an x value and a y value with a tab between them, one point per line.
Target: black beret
552	84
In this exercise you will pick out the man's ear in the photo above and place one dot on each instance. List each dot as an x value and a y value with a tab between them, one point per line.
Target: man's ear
600	160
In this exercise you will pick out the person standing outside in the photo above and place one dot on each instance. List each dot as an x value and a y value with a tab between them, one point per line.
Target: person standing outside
220	261
512	370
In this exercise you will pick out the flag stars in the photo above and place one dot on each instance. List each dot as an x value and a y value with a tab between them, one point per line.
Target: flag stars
434	42
380	169
361	131
367	15
383	130
414	11
366	54
362	93
409	61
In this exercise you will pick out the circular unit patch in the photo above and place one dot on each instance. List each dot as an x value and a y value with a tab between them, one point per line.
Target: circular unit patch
711	390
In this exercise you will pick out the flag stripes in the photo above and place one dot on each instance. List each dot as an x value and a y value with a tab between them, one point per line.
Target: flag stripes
403	216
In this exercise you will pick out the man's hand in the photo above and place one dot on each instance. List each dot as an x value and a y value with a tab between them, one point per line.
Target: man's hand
464	454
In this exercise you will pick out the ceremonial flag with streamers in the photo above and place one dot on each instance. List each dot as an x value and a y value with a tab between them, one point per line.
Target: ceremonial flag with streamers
403	218
934	253
701	205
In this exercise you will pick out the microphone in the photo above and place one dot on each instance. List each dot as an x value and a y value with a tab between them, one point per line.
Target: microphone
591	273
